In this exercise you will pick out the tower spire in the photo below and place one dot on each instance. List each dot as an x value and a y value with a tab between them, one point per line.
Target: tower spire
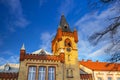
23	47
64	25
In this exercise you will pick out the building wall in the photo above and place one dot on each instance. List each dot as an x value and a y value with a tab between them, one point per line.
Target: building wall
24	65
105	74
9	76
101	74
71	57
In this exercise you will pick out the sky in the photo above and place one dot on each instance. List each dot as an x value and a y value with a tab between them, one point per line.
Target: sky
35	22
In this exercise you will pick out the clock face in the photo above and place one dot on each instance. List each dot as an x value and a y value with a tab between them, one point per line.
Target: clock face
68	49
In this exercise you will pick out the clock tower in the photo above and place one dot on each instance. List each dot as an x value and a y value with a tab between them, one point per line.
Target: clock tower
66	41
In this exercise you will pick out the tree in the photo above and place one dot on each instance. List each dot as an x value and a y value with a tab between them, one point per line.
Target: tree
113	30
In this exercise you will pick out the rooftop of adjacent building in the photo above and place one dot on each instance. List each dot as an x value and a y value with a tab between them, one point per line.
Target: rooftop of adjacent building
100	66
9	67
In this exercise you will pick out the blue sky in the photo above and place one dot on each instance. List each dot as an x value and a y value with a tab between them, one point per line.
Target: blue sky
34	23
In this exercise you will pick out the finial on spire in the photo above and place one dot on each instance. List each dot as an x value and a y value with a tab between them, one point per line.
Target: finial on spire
64	25
62	13
23	47
74	28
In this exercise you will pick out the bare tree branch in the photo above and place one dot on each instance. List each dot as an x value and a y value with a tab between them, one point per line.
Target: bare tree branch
112	30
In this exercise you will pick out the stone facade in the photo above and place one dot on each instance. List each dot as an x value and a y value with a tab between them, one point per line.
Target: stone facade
64	57
52	62
101	70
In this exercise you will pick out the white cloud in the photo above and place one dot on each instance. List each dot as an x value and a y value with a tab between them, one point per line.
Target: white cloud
17	18
46	39
45	36
11	59
94	22
87	25
100	52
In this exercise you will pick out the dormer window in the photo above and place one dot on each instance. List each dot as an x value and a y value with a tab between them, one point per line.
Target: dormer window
7	67
42	52
65	26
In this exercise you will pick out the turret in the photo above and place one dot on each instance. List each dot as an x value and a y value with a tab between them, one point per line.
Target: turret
22	52
59	34
75	35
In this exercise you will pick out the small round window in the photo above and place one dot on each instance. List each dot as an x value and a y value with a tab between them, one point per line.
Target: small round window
65	27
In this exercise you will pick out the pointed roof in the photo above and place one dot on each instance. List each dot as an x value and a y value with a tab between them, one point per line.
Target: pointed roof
41	52
64	25
23	47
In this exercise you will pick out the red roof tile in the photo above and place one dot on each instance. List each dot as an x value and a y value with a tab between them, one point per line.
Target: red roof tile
101	66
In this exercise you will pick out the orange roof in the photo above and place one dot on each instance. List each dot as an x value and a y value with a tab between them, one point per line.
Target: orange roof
101	66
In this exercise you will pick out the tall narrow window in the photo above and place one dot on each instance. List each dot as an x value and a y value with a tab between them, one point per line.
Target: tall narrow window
42	73
109	78
51	73
118	78
70	73
68	43
32	73
99	78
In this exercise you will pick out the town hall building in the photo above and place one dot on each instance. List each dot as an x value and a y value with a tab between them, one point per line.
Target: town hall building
61	64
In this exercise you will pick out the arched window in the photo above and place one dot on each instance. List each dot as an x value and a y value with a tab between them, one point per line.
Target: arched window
69	73
68	43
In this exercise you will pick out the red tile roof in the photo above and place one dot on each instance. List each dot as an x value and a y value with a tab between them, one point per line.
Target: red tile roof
101	66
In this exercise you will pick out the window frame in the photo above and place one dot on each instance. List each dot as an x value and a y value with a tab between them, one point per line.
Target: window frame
69	73
54	71
45	71
28	72
118	78
99	78
109	77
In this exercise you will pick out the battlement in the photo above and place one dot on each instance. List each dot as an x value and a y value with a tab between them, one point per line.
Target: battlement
43	57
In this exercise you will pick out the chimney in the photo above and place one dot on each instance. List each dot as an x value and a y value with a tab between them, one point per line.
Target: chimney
97	61
75	35
82	60
89	60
